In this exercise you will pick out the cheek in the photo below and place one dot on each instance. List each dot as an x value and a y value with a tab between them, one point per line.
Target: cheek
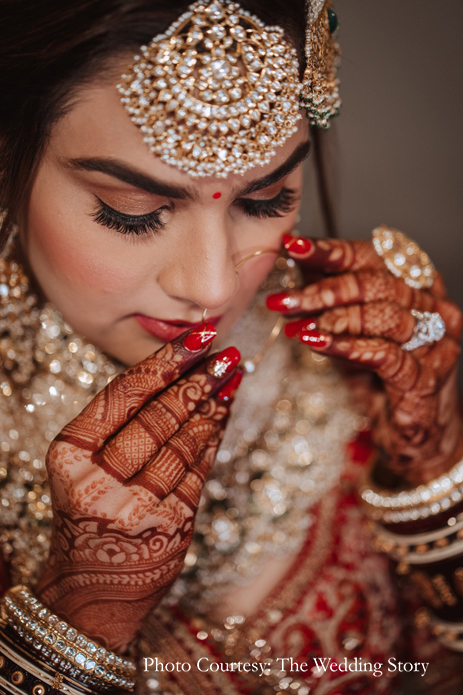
64	249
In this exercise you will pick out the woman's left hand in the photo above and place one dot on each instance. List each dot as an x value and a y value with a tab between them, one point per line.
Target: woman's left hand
359	311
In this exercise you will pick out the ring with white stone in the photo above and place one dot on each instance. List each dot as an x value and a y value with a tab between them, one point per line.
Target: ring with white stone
430	328
403	257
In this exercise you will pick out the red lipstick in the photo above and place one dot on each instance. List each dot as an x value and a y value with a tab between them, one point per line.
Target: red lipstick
166	330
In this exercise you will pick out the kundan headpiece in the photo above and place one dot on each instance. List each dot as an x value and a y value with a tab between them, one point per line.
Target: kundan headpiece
219	90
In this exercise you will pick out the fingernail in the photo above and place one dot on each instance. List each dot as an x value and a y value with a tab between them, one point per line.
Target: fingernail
224	362
227	392
199	337
294	328
314	339
296	244
282	302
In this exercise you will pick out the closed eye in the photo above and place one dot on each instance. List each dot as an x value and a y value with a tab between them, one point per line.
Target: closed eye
128	224
278	206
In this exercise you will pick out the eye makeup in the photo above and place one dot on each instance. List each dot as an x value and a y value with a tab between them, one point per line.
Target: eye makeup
120	222
281	204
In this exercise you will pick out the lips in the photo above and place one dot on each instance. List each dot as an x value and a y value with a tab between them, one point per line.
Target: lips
166	330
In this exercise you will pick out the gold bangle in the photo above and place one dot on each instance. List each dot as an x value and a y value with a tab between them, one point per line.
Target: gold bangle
25	612
421	548
448	634
418	503
53	679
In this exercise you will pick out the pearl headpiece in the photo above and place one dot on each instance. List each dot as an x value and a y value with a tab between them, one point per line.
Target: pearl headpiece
219	91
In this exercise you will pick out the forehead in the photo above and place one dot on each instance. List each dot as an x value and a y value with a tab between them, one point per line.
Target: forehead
97	125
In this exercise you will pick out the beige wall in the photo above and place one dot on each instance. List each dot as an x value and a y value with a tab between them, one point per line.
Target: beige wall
400	141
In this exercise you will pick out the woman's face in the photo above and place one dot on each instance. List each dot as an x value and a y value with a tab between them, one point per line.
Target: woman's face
121	243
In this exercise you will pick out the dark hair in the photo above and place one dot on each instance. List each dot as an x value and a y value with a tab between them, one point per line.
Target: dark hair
50	48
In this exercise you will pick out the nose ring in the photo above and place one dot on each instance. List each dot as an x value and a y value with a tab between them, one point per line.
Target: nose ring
244	260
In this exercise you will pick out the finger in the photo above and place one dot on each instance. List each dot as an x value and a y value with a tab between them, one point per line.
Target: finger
437	288
143	437
400	369
378	319
332	255
393	365
162	475
190	488
128	392
350	288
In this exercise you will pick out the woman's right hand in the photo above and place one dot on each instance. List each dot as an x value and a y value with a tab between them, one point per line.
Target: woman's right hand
126	477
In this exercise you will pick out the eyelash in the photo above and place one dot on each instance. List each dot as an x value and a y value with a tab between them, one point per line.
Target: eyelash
128	224
279	206
282	204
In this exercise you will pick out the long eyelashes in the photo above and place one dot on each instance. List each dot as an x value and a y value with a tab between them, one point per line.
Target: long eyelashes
128	224
282	204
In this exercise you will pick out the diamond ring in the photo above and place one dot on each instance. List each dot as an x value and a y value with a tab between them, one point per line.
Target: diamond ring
403	257
429	328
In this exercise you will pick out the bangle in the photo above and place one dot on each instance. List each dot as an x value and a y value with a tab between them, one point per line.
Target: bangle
448	634
21	673
84	659
421	548
430	499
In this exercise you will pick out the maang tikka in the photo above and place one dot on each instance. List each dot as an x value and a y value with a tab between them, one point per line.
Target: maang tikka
219	91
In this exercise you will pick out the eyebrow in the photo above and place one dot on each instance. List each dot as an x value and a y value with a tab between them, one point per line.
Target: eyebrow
300	153
126	174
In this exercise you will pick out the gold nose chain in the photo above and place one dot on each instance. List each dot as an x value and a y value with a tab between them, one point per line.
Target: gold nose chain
249	364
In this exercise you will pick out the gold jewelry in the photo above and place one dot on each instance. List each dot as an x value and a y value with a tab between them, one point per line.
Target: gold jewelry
448	634
19	657
289	280
403	257
216	93
421	548
320	86
430	328
435	491
23	611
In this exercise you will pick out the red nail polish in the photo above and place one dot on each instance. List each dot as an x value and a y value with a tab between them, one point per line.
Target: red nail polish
199	337
296	244
224	362
282	302
314	339
227	392
294	328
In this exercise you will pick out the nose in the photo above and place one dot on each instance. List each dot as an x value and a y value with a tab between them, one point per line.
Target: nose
202	270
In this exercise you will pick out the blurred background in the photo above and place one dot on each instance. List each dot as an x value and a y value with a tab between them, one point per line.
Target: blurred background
397	147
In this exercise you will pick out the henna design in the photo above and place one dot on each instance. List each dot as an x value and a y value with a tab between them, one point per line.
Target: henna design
377	319
125	490
340	256
365	313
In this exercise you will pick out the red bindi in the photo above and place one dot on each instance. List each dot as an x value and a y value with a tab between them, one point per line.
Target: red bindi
217	195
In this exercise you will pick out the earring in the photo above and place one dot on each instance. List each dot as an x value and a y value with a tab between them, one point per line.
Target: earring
320	85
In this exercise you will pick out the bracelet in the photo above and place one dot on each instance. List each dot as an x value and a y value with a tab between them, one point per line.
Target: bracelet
20	673
85	660
430	499
449	634
421	548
